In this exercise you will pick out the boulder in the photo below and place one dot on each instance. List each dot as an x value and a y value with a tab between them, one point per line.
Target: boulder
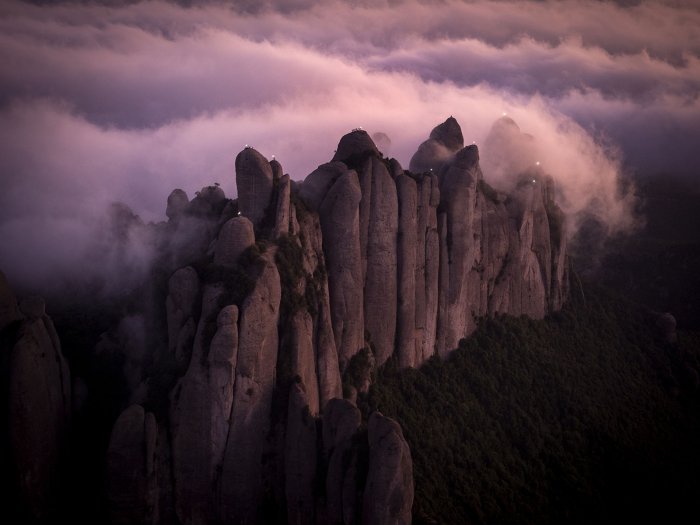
234	238
39	399
388	495
354	146
178	202
254	181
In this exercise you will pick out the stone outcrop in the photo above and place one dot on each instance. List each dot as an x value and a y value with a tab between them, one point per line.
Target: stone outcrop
38	396
445	140
180	306
380	286
199	420
178	201
300	458
283	204
241	484
408	297
254	181
341	245
131	468
234	238
388	496
361	255
341	422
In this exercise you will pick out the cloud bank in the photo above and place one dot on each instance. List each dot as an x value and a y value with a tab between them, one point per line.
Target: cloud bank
103	103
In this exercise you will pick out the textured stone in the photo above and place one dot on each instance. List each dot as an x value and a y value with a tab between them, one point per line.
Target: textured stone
277	171
254	183
449	134
406	347
341	246
308	229
131	467
39	397
178	202
180	305
317	184
380	291
355	145
388	496
458	191
300	458
303	360
432	270
241	488
445	139
443	287
341	421
282	213
234	238
199	420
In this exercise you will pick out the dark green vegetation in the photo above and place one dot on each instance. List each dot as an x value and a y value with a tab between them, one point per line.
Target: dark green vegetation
585	417
658	265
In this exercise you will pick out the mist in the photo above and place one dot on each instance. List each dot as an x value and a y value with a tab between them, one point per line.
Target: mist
124	103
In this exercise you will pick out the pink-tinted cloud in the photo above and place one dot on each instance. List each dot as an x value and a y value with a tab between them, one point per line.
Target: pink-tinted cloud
125	103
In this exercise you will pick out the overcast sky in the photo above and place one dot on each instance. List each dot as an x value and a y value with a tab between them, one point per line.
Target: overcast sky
124	101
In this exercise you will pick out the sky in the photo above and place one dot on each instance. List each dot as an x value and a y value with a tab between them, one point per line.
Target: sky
125	101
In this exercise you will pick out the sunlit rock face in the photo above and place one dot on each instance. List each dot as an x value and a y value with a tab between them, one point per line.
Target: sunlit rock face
289	306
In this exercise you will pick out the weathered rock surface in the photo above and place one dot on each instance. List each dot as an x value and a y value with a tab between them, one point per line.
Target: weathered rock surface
178	202
317	184
445	139
408	291
180	306
39	402
241	487
300	459
355	145
234	238
388	496
308	230
254	181
369	254
341	421
458	190
282	213
380	289
199	421
341	245
303	362
131	467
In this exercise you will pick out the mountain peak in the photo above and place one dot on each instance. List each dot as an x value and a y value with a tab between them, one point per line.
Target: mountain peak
449	134
355	144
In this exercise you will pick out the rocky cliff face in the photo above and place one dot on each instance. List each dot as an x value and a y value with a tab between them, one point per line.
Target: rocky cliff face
278	305
36	404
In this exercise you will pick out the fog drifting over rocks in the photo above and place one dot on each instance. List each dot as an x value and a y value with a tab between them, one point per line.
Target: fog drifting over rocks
124	102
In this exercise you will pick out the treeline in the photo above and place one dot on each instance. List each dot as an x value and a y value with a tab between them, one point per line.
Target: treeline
589	416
